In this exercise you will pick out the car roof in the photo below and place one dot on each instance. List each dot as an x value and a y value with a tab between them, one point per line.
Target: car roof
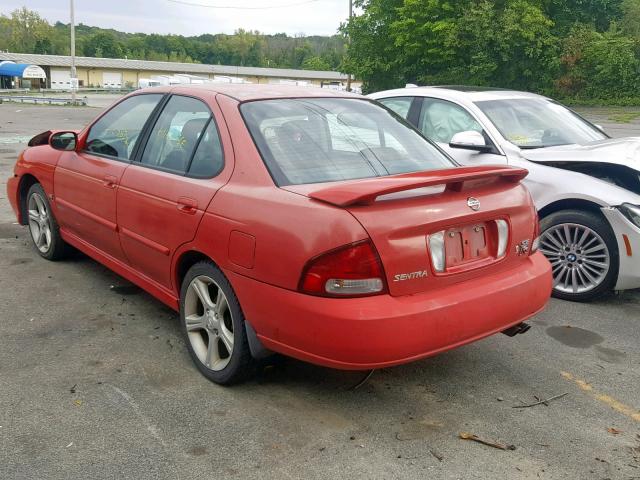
461	92
246	92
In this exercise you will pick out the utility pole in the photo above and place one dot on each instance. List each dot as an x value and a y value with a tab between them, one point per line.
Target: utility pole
349	42
74	78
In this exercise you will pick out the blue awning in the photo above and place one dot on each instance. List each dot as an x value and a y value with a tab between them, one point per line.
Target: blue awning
22	70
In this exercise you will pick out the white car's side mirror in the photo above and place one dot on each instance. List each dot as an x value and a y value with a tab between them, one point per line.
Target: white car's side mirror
600	127
470	140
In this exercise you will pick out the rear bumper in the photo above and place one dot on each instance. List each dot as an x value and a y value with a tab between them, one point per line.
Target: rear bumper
629	272
12	194
381	331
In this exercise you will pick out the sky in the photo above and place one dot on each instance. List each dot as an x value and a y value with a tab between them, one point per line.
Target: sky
311	17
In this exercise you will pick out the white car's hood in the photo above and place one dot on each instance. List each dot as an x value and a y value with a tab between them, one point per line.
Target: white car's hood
620	151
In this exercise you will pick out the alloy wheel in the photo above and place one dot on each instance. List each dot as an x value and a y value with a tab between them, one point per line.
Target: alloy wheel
579	256
39	222
209	323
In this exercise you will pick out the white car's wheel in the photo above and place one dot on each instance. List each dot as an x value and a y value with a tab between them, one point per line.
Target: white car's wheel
583	253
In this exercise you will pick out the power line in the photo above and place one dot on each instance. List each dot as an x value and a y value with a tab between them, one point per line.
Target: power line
232	7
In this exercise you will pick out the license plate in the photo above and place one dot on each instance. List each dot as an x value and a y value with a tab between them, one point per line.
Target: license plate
466	244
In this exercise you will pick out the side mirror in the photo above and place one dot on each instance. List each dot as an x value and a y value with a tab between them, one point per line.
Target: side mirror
599	127
470	140
66	141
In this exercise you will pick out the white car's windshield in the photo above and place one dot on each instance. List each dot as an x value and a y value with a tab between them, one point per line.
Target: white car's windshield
538	122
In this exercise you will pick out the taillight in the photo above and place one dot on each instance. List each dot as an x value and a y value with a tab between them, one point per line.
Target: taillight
353	270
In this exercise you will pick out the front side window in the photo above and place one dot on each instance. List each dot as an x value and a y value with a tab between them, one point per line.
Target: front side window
440	120
538	123
310	140
117	132
400	105
176	134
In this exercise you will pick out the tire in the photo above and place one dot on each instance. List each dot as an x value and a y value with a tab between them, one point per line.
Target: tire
207	317
43	226
583	252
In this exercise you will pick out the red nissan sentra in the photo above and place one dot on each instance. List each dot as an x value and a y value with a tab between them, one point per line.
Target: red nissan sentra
303	221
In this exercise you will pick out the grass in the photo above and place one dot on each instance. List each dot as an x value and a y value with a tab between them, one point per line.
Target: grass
600	102
624	117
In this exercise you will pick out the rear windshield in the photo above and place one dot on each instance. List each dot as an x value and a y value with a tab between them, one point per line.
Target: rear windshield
309	140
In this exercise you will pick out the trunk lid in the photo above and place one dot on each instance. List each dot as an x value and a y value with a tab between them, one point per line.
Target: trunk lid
400	212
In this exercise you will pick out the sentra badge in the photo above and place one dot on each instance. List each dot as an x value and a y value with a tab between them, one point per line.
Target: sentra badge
401	277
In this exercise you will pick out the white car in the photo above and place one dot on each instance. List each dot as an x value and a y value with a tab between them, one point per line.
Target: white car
585	184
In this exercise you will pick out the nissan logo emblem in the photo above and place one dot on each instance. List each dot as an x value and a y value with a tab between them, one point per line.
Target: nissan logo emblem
473	203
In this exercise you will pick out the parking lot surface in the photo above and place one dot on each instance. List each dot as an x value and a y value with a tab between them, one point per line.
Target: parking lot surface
96	382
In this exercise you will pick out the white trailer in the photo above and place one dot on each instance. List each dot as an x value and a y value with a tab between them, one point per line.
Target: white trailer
147	82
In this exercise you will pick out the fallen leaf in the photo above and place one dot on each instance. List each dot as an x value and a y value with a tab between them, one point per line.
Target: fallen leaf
614	431
436	454
77	403
475	438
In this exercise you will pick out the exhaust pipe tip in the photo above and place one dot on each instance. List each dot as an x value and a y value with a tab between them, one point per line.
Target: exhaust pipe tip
518	329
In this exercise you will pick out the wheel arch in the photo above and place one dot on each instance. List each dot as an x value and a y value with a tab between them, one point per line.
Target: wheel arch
185	261
571	204
26	182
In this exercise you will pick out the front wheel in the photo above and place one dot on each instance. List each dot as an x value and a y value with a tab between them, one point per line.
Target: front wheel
43	226
213	325
582	249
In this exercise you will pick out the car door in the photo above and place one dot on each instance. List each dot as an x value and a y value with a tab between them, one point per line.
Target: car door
164	193
86	182
439	120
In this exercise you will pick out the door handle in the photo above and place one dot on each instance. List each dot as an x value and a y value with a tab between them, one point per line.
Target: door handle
187	205
110	181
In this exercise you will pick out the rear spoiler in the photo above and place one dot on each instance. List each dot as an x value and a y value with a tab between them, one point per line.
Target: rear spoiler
365	192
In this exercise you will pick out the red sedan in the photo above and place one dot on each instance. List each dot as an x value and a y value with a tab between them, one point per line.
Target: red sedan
303	221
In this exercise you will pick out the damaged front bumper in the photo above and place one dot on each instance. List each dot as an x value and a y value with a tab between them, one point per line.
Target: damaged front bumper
628	239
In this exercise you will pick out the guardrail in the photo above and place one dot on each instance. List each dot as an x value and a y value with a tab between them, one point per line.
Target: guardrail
13	91
42	100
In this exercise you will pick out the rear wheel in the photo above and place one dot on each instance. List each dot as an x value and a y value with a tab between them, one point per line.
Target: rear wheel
213	325
43	226
582	249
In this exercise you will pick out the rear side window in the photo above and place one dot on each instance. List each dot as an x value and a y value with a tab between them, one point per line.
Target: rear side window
208	160
312	140
117	132
176	134
400	105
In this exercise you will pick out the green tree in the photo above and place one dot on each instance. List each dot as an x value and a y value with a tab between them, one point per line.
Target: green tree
5	32
27	31
508	43
315	63
527	50
630	21
372	55
599	65
103	44
568	13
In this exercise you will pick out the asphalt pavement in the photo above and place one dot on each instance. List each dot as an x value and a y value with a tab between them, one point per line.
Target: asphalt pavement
95	382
